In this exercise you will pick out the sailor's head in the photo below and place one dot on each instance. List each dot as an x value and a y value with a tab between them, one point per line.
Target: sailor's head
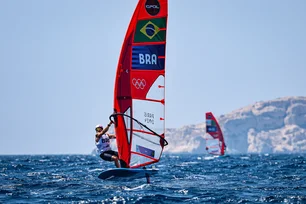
99	128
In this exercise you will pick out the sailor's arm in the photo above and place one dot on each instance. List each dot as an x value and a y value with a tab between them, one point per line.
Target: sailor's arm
106	128
112	136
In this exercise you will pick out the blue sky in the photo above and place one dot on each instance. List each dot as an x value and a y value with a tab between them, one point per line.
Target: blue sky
58	61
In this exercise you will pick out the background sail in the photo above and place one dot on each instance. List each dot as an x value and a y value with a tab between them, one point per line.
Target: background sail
140	86
214	138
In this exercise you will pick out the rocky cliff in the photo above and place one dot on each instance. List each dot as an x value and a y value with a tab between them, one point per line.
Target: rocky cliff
276	126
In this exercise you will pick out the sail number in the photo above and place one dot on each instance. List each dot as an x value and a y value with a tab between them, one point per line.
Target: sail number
149	118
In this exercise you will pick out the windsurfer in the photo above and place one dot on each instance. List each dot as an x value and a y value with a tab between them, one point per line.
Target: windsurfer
103	144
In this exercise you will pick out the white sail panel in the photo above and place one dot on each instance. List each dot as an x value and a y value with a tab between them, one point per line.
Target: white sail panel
150	114
157	90
213	146
145	148
137	160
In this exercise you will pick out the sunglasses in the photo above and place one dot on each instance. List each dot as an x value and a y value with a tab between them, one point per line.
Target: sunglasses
99	129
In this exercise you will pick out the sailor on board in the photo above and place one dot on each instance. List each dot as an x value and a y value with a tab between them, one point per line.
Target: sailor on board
103	144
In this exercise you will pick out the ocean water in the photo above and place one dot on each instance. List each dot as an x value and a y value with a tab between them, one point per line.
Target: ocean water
181	179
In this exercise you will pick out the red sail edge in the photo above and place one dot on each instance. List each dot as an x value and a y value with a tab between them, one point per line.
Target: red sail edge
215	143
139	86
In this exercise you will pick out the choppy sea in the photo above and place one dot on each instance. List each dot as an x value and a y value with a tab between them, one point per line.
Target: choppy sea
181	179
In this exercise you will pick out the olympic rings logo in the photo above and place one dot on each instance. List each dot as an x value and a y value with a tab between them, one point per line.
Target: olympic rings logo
139	83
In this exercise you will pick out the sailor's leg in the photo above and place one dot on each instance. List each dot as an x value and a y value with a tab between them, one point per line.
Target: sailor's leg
116	160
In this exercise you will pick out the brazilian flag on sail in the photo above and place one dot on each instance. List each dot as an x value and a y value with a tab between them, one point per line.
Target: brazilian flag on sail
153	30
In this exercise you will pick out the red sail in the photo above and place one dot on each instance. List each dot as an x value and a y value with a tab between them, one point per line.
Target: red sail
215	143
139	93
